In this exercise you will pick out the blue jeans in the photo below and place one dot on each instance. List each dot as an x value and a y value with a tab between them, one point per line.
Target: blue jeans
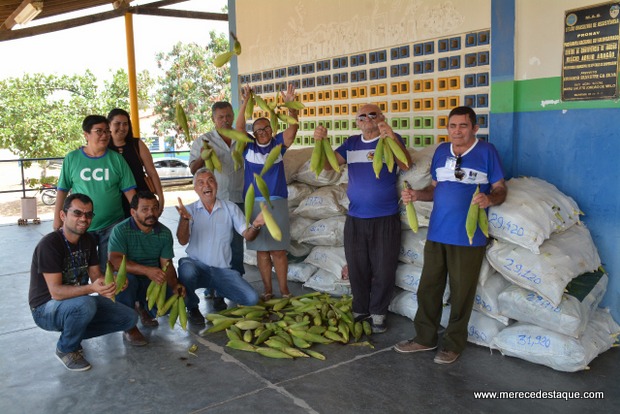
136	292
101	237
228	283
83	317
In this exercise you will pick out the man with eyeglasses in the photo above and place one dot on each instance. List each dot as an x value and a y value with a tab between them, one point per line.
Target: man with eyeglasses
458	168
230	180
101	174
61	297
372	230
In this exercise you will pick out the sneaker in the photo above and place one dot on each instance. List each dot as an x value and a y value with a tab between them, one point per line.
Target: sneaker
134	337
378	323
410	346
208	294
73	361
446	357
195	317
219	304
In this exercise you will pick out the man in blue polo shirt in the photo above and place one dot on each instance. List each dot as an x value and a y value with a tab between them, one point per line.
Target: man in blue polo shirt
148	246
372	230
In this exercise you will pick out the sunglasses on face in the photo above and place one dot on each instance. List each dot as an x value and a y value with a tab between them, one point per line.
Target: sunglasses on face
79	213
364	117
458	172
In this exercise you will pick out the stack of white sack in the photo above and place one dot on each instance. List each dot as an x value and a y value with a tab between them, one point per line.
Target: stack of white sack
540	247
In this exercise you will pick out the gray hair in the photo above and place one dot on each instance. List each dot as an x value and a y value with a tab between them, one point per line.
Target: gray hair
202	170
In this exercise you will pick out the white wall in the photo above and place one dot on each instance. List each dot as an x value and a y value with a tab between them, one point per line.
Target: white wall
285	32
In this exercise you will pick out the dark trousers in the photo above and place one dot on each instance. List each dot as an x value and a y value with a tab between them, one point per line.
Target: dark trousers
462	263
371	248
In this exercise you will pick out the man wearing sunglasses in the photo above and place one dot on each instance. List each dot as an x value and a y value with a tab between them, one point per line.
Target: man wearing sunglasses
458	168
60	295
100	173
372	229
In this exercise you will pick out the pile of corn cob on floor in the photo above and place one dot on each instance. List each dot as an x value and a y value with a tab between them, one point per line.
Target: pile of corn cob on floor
186	372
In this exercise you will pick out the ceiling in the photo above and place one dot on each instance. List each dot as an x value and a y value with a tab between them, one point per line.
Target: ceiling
61	8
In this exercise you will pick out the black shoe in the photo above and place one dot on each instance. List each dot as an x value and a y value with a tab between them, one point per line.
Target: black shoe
219	304
195	317
359	317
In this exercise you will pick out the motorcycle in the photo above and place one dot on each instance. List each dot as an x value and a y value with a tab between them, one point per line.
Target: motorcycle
48	194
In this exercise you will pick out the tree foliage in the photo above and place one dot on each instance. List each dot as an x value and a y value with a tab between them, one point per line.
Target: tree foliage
42	114
191	79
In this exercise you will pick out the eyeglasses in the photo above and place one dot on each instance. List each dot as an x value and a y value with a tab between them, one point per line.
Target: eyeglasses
458	173
268	127
100	131
79	213
364	117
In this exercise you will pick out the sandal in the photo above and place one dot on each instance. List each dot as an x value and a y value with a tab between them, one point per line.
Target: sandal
287	296
265	296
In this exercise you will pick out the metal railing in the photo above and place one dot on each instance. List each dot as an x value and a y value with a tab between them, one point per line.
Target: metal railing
24	186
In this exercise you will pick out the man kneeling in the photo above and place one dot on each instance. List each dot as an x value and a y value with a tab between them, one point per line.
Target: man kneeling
60	293
207	225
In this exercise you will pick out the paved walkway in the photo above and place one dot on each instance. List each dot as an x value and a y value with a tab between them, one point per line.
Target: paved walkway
164	378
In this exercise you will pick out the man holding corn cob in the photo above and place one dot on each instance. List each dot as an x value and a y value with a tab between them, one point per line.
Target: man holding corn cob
148	247
60	296
230	179
372	230
206	227
458	169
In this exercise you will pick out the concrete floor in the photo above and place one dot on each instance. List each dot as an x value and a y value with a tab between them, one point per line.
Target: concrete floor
164	378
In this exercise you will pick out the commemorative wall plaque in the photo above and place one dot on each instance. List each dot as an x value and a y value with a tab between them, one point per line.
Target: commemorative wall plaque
590	65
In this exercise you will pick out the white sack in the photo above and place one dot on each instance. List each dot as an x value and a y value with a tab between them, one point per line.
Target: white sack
325	232
569	318
324	202
297	249
486	300
534	209
560	352
412	246
298	225
481	329
294	159
297	192
300	272
405	303
330	259
328	282
327	177
408	278
419	173
562	257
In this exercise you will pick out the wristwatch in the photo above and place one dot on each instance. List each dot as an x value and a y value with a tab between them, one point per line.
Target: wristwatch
257	228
